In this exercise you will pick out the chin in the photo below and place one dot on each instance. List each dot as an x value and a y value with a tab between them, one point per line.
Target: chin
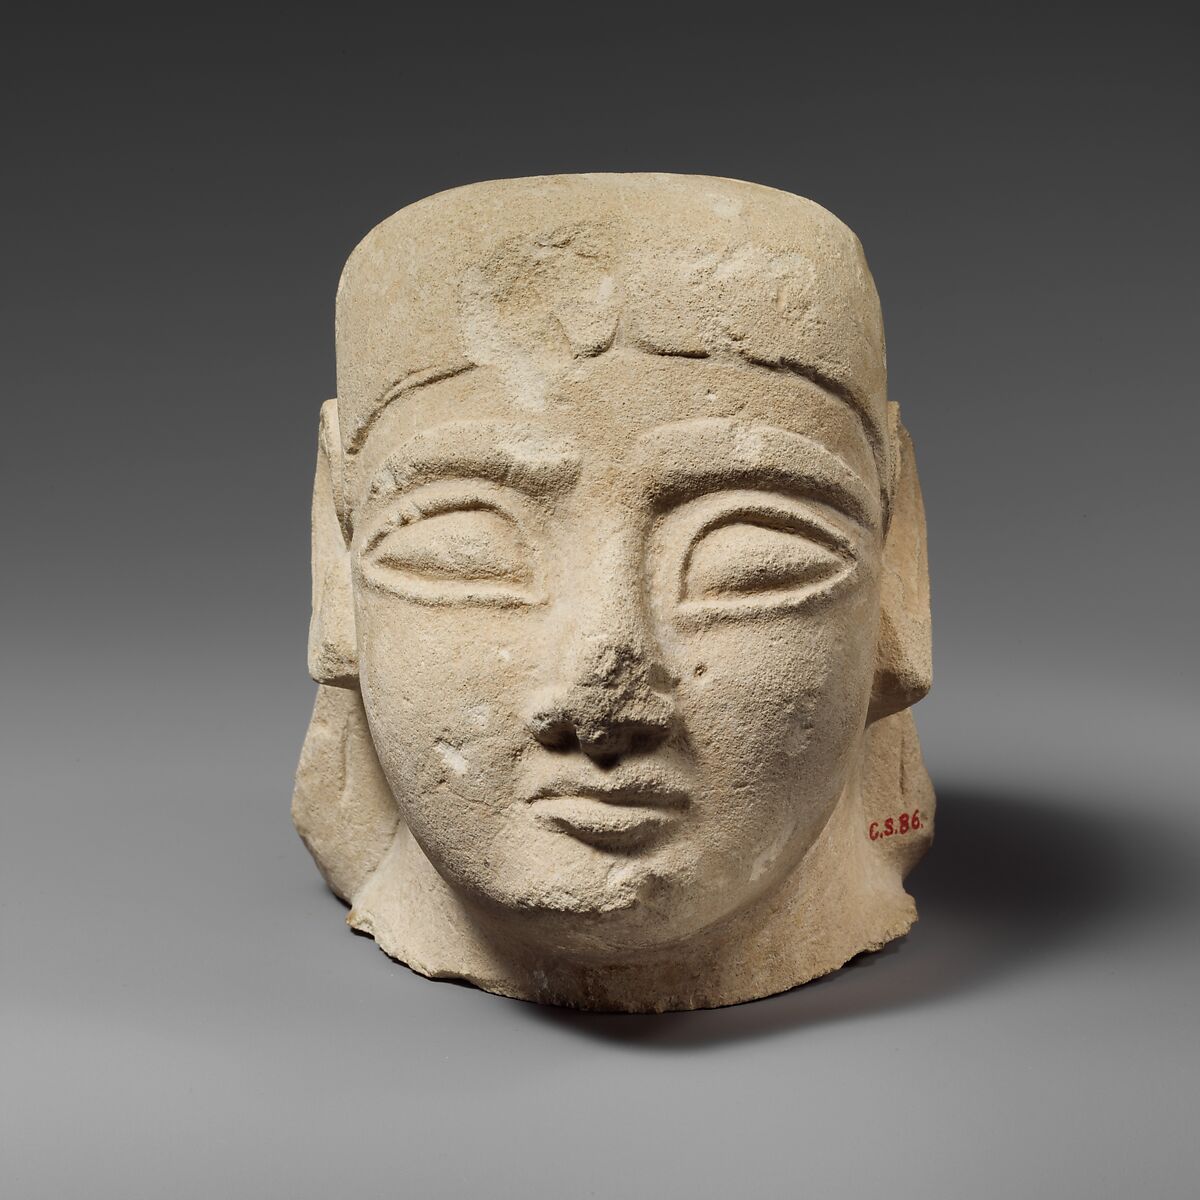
610	907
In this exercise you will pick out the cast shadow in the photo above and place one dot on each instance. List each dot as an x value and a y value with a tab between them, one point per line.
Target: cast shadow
1012	880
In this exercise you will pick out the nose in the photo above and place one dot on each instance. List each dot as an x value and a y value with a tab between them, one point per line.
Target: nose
613	697
615	703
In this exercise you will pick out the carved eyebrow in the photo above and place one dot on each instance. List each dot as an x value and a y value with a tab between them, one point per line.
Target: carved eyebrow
402	387
688	458
511	455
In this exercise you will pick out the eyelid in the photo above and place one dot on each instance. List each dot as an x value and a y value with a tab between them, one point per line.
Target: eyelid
443	548
445	498
774	515
830	529
442	496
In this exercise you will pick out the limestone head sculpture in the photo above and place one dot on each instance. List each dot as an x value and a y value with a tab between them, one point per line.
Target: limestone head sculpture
620	598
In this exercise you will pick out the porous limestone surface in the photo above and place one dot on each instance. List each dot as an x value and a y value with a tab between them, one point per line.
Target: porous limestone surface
620	598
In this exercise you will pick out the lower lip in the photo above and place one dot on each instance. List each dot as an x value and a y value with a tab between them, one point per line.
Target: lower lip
598	823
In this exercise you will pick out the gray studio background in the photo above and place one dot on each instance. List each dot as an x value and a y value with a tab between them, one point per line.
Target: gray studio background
185	1014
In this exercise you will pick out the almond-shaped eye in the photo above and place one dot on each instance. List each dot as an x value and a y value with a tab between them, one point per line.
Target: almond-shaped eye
745	559
473	545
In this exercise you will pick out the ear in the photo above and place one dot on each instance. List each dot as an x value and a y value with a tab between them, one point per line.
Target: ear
903	659
332	652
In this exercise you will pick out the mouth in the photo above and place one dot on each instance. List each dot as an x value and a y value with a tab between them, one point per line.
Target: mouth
618	818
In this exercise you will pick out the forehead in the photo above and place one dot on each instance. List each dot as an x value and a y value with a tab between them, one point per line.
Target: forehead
607	410
535	278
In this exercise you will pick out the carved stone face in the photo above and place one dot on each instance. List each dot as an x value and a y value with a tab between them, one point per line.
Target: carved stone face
615	604
617	654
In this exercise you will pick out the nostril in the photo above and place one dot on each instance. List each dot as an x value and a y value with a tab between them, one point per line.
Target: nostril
554	732
605	759
645	738
605	747
602	726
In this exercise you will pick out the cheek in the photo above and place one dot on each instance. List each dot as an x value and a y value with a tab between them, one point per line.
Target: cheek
775	706
441	691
